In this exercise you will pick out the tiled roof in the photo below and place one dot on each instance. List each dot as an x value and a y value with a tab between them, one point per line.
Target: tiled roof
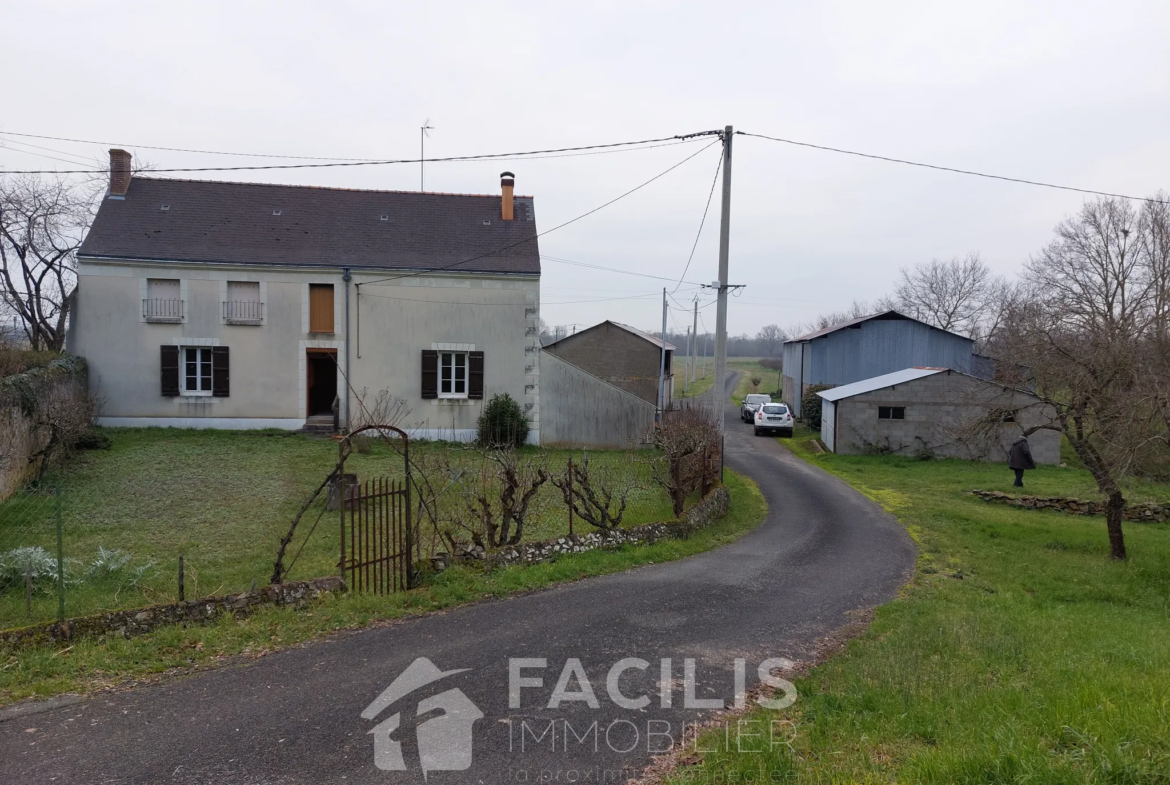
247	223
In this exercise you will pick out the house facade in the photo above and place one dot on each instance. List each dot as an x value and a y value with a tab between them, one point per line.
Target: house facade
622	355
234	305
943	412
871	346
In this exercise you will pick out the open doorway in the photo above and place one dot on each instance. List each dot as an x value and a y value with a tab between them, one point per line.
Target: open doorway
321	367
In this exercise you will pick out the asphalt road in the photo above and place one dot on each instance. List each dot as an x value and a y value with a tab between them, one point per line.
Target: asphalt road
295	716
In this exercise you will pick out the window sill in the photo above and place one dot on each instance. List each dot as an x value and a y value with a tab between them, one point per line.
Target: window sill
245	322
163	319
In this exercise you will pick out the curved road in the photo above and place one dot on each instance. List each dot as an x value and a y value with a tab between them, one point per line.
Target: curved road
295	716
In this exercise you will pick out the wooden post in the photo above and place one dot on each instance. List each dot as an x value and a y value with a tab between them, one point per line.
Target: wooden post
182	588
28	587
570	494
60	558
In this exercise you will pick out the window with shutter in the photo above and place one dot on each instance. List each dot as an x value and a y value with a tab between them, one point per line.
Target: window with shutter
430	373
170	370
321	308
220	377
475	375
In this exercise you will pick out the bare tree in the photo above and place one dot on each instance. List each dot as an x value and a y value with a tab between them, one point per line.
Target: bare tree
42	224
770	338
690	441
598	495
1080	334
497	506
959	295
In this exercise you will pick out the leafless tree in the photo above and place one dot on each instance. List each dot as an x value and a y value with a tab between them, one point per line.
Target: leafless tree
597	494
770	339
498	504
42	224
960	295
690	441
1082	334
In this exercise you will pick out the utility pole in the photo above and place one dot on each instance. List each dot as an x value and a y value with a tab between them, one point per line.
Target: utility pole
721	307
687	367
422	150
695	332
662	363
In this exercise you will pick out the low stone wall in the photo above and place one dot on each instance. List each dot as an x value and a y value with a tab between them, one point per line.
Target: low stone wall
713	507
1148	512
137	621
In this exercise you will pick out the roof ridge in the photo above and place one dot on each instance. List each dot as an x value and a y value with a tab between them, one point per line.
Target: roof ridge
318	187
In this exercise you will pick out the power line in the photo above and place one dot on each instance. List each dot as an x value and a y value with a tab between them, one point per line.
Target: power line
718	167
954	170
681	139
608	269
547	231
6	142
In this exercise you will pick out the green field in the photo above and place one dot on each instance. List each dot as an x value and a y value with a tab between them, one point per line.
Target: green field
223	500
1019	653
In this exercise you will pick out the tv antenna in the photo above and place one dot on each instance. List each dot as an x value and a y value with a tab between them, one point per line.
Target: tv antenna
422	147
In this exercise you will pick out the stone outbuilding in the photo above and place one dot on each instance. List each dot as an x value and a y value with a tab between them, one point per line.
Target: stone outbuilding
622	355
940	411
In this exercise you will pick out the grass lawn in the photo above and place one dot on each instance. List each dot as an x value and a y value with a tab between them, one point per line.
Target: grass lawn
705	370
749	368
91	664
223	500
1019	653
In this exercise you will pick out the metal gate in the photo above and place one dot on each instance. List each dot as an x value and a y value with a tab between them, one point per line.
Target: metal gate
379	536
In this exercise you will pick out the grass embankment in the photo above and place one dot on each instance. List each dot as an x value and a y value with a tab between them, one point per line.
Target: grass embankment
91	664
223	500
749	370
704	375
1019	653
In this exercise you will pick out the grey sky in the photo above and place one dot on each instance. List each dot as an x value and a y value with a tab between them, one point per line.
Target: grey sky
1069	92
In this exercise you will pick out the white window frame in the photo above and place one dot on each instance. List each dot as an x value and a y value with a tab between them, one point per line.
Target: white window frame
201	351
457	360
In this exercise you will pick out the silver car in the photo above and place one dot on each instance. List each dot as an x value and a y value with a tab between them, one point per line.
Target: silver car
751	404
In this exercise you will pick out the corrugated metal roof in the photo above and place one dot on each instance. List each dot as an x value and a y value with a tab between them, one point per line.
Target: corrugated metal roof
888	315
878	383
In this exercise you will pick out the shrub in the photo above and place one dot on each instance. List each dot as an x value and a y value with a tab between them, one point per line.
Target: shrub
93	439
34	561
503	423
810	405
772	363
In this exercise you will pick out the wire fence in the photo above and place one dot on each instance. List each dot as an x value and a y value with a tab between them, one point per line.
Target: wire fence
58	560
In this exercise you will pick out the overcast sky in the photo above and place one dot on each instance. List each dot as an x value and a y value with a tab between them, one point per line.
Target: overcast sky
1075	93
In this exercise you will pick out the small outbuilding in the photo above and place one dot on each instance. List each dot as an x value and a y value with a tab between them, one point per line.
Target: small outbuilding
938	411
622	355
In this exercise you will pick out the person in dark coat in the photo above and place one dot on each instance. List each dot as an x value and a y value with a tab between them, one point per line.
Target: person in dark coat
1020	459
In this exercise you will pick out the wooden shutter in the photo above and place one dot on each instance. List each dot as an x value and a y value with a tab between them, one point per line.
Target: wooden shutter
220	377
321	308
475	375
430	373
170	370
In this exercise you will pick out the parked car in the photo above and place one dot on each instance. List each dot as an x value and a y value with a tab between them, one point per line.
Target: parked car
751	404
774	417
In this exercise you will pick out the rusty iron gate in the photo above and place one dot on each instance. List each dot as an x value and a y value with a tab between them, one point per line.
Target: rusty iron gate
377	538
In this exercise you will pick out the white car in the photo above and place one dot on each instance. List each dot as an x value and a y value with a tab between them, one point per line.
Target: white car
774	417
751	404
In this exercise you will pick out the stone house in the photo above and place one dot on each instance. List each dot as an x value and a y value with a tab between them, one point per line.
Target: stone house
869	346
945	412
622	355
238	305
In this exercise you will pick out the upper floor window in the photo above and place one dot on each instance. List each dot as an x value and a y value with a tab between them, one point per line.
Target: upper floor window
243	305
321	308
163	301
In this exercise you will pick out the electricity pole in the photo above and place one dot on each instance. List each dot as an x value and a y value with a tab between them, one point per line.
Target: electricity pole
662	363
694	349
422	150
721	307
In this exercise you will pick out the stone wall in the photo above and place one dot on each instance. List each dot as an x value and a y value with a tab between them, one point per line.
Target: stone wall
1148	512
24	398
136	621
713	507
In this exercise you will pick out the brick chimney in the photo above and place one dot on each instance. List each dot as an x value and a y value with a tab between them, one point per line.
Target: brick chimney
507	183
119	172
